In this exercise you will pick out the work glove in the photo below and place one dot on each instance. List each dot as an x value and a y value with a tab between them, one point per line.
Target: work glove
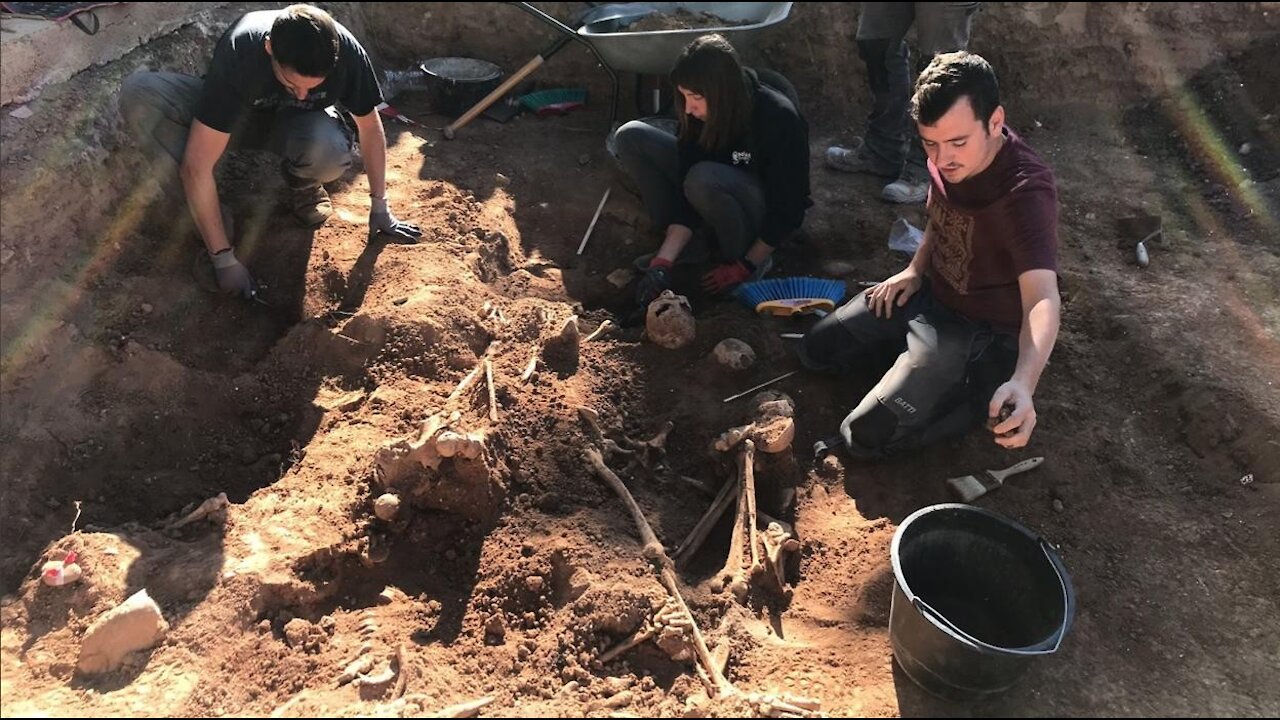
233	278
656	279
726	276
385	225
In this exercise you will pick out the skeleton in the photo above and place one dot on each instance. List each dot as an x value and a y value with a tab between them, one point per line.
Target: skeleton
674	626
646	453
715	680
672	630
436	440
493	401
772	427
214	508
493	312
786	706
754	556
604	327
434	443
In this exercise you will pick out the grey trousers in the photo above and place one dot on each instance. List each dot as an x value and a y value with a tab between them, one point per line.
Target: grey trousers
942	371
158	109
882	28
729	200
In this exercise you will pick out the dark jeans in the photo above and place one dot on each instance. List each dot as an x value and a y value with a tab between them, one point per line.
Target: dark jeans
882	28
946	370
729	200
158	108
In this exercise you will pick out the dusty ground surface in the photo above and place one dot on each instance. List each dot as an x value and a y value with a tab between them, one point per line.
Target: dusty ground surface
130	396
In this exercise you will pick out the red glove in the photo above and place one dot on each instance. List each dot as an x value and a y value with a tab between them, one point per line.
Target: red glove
726	276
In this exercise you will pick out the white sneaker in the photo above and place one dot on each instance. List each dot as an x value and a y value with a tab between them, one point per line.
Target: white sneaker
905	191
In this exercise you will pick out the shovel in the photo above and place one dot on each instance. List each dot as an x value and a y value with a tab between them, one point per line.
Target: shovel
971	487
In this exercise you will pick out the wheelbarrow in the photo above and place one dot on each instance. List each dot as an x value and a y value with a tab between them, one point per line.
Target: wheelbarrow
603	29
654	52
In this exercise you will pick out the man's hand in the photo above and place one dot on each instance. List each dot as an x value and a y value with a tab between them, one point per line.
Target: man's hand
1015	431
233	278
383	223
726	276
895	291
656	279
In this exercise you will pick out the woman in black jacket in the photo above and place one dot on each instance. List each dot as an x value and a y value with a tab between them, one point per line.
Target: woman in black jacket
734	184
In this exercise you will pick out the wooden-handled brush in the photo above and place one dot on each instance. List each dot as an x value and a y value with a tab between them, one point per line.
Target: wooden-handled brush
971	487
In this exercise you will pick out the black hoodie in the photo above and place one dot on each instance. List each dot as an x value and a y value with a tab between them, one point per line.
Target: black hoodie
776	149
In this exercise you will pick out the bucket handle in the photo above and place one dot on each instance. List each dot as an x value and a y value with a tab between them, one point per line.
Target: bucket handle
926	609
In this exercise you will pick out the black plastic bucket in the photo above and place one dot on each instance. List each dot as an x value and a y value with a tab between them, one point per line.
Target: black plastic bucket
977	598
455	84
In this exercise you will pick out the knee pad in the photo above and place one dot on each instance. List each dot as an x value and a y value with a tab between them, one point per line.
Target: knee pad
868	430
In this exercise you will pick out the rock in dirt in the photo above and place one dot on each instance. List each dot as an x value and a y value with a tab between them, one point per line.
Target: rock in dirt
386	507
135	624
620	278
580	581
734	354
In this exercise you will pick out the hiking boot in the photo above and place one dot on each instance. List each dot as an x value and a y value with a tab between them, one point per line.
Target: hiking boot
310	205
858	159
906	190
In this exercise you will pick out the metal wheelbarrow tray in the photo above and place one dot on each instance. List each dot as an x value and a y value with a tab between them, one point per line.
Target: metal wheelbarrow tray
655	51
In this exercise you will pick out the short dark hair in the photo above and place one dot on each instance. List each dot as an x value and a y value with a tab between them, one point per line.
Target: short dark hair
305	40
709	66
949	77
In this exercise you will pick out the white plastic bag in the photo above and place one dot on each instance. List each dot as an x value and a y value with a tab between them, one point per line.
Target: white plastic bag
905	237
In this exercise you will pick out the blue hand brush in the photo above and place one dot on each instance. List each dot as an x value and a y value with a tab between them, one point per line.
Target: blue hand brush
791	295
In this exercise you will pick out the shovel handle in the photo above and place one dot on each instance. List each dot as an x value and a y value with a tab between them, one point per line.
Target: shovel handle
1025	465
493	97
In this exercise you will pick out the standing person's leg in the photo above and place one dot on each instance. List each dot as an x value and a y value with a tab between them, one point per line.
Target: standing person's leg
731	203
882	28
941	27
316	149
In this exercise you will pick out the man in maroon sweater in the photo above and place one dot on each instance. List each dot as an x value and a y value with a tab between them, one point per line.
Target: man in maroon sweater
973	318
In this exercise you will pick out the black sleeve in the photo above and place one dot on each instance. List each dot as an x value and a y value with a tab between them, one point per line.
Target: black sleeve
785	176
361	94
220	99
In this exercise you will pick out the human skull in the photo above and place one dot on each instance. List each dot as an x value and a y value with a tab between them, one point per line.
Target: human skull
774	435
734	354
772	403
669	321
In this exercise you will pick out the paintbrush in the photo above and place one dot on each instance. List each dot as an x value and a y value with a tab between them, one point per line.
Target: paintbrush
971	487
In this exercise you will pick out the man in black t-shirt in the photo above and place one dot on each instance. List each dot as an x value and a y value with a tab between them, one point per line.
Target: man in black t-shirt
278	81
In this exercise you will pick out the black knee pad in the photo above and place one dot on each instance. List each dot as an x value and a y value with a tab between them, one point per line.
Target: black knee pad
867	432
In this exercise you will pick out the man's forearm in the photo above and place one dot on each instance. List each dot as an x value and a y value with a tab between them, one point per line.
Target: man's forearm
1036	341
373	148
202	198
920	261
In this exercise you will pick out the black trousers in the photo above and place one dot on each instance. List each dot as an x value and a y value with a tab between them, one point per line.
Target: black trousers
942	370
